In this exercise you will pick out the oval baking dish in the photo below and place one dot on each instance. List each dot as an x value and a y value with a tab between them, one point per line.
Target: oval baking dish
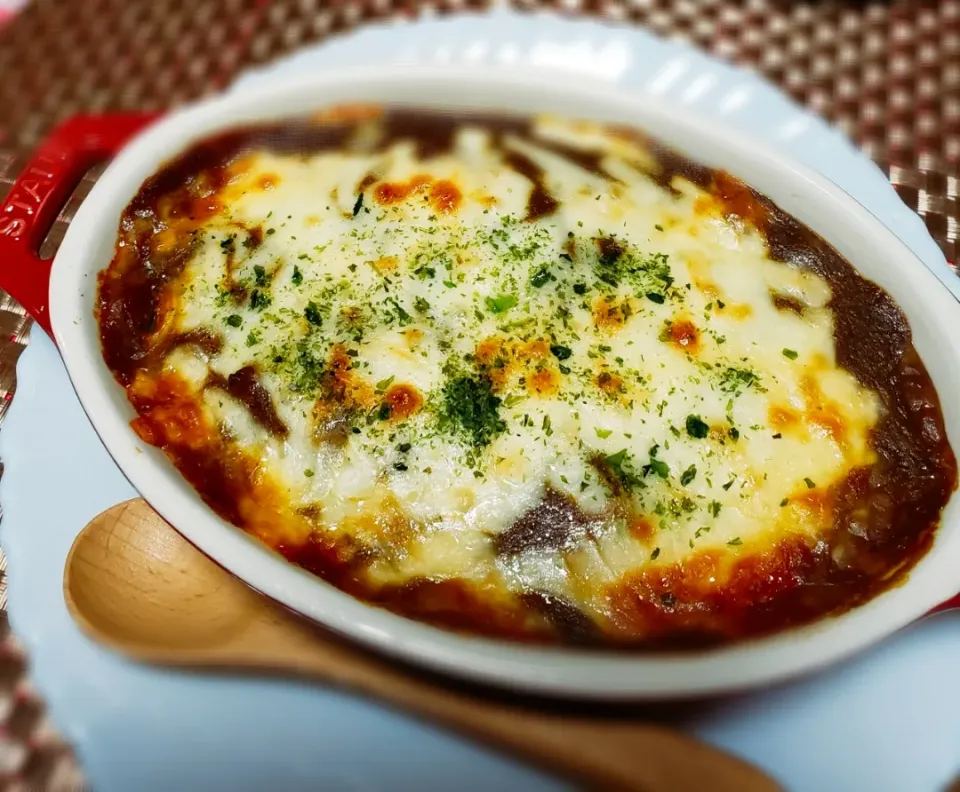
529	406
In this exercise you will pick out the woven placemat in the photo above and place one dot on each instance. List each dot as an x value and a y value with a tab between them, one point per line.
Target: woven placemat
888	73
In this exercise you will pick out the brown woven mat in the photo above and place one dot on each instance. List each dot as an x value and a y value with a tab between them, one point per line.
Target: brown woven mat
887	72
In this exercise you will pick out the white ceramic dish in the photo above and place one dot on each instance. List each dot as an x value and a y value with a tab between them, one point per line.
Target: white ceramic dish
873	249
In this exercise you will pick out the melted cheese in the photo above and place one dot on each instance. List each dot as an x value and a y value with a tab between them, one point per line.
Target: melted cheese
639	350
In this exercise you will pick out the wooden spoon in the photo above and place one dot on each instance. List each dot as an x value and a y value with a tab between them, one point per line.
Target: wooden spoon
133	583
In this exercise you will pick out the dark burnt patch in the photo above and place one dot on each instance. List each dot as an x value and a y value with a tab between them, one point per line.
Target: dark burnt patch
553	523
787	304
334	427
254	238
129	300
540	203
201	338
244	386
672	163
590	161
571	622
609	250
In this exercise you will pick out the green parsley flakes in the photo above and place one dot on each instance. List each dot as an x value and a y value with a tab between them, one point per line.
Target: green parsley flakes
621	466
312	314
541	278
469	406
696	427
658	467
501	304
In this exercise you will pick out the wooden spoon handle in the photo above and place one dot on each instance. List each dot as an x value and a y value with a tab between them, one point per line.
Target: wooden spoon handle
608	755
604	753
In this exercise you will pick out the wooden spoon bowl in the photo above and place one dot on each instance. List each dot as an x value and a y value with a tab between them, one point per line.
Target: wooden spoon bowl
133	583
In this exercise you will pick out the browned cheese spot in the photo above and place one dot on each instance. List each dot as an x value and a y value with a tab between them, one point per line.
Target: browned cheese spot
169	412
343	394
822	416
413	336
704	205
342	385
383	525
699	269
684	335
367	181
611	384
611	314
738	199
268	181
504	359
386	264
641	528
445	197
784	418
543	382
389	193
817	506
402	401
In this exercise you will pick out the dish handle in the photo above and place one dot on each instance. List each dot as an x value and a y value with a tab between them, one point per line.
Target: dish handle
950	604
40	192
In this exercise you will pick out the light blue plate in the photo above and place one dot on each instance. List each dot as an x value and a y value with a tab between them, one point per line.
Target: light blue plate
887	722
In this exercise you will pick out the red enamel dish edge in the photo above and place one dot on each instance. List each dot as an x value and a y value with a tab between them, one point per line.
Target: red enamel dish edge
60	297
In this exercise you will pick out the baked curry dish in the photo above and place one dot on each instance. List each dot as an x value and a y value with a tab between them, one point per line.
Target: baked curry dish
533	378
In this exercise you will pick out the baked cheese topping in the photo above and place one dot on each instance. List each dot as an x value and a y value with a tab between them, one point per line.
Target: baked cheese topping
530	360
